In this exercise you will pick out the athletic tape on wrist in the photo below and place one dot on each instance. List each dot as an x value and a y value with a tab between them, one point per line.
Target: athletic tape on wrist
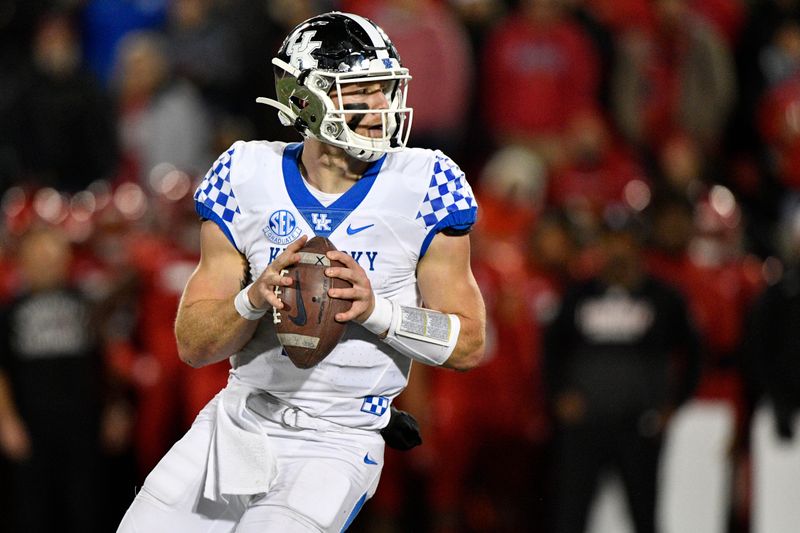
422	334
381	318
245	308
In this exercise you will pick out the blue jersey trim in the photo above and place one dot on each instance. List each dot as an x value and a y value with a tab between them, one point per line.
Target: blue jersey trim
308	205
354	512
206	212
459	220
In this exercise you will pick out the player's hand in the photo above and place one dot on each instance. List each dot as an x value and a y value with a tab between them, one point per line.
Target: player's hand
15	442
360	293
262	293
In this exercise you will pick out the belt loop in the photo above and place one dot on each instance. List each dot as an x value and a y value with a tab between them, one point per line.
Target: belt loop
289	411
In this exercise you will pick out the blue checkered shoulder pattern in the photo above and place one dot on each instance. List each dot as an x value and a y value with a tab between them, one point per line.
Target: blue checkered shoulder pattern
215	192
448	192
375	405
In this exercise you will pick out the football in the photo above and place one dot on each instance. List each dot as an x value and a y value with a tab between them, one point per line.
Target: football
306	326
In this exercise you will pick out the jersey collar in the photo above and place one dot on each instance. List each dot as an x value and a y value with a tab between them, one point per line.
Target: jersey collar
324	220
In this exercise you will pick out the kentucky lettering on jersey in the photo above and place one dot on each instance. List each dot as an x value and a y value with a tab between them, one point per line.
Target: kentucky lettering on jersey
368	263
385	221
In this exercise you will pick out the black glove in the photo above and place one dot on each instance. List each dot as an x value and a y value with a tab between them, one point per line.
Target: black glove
402	433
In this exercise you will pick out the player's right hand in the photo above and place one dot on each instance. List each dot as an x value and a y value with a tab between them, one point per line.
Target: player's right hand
262	293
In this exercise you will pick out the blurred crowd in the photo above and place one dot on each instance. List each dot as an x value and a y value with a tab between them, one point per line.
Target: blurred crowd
637	167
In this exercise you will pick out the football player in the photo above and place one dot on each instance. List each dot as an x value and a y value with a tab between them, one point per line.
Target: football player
281	448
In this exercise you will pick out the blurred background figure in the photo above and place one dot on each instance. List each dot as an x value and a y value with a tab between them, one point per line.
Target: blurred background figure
204	50
59	127
612	378
681	168
162	118
539	69
57	405
106	22
512	193
597	170
706	460
774	352
675	75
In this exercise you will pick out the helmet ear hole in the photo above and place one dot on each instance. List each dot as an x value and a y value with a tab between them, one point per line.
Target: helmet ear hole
301	103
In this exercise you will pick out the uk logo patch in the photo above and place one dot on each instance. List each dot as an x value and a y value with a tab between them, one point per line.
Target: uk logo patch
282	227
321	222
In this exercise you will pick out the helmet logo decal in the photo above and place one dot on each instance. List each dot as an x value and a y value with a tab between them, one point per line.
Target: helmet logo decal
300	50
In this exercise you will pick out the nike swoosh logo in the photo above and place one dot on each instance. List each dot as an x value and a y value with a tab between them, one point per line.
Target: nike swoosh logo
352	231
369	460
300	319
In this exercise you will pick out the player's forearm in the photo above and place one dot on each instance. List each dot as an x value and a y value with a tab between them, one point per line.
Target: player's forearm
208	331
470	347
433	337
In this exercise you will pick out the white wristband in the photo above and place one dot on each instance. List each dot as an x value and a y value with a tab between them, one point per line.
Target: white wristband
245	308
381	317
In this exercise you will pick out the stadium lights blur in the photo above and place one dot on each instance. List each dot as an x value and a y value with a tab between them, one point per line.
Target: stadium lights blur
50	205
130	200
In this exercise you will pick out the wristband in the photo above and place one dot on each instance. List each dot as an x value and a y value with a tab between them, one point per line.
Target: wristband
424	335
245	308
381	317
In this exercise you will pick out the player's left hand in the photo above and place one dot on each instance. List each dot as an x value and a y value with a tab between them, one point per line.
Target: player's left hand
360	293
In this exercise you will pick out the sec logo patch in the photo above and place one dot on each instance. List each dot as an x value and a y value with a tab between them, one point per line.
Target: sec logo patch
282	227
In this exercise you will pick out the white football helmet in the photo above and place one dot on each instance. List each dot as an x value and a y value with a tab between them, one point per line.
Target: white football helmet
317	59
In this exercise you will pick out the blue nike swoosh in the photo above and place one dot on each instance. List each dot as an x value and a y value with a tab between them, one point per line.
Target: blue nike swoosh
352	231
369	460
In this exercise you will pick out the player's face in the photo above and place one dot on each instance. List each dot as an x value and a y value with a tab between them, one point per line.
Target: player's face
364	96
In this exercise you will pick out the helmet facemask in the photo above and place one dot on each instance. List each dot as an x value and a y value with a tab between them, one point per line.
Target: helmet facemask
305	99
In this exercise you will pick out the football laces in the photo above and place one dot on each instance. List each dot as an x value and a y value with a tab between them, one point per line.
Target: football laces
276	315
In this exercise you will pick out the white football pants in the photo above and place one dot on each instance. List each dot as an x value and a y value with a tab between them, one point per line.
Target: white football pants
323	479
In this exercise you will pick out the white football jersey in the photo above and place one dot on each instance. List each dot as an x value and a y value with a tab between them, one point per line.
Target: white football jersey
254	192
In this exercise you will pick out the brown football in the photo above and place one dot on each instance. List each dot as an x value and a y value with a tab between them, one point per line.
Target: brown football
306	326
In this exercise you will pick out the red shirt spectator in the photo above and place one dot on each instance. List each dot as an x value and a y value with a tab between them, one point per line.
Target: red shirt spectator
677	77
540	68
780	128
597	169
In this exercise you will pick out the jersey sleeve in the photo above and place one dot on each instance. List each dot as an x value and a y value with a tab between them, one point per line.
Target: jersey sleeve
449	203
215	198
